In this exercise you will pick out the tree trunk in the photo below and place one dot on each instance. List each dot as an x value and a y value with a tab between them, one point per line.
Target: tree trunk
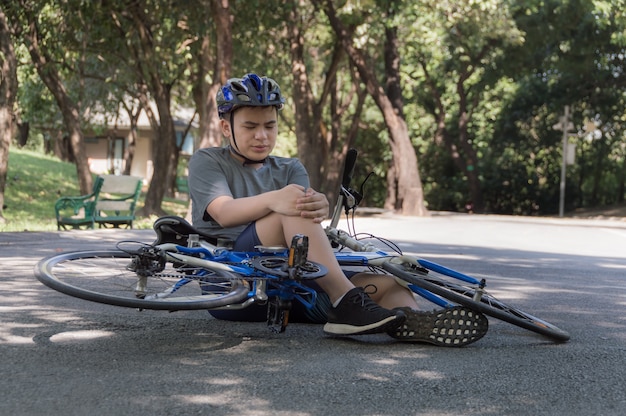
341	140
320	147
220	58
622	179
71	116
129	150
410	196
461	150
8	92
152	82
312	149
394	92
471	158
23	130
164	147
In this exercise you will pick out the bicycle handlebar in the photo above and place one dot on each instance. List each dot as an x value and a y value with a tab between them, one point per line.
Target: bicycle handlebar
348	169
345	200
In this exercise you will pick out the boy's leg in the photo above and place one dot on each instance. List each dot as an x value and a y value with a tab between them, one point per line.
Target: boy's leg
276	229
353	311
451	327
385	290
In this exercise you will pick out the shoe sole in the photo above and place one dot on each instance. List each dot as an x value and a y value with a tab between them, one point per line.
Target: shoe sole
451	327
388	324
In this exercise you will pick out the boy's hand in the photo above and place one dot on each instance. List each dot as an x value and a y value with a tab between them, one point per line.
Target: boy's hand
313	205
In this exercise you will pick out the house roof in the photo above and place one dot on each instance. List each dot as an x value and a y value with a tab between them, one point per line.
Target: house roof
181	115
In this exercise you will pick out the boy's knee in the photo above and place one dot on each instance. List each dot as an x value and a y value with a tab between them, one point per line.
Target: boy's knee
381	281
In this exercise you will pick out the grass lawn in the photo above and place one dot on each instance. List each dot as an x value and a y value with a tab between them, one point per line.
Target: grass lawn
35	181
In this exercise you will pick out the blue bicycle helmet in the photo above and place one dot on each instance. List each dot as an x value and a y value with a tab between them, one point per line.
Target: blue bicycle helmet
250	91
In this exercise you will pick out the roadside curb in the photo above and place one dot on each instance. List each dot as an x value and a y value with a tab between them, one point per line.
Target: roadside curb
605	222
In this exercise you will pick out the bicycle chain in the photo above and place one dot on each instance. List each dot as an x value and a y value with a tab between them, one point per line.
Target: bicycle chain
207	278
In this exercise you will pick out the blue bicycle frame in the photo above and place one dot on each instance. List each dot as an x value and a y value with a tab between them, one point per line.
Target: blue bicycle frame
238	262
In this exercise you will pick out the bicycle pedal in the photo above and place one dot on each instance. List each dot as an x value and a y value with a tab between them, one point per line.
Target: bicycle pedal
298	251
278	315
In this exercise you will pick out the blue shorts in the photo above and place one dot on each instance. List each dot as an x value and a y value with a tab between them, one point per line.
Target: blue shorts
246	241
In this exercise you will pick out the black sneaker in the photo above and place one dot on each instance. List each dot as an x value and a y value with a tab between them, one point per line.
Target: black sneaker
358	314
450	327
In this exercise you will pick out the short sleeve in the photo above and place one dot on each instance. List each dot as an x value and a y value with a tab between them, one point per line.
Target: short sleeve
207	181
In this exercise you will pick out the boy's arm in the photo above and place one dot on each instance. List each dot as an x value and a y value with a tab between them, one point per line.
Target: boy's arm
291	200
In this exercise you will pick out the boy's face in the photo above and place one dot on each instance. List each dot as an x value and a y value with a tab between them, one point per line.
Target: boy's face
255	130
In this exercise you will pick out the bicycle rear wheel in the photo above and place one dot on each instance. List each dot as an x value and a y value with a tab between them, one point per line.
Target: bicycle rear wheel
488	305
104	277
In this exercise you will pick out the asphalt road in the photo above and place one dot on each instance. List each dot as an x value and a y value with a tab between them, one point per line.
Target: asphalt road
65	356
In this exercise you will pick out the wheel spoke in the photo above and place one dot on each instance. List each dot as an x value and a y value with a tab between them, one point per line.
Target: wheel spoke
113	277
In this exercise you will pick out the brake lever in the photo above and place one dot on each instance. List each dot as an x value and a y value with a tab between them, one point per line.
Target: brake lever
362	186
350	201
354	197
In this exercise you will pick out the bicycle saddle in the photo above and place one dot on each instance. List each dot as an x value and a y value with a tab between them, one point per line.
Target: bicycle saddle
176	230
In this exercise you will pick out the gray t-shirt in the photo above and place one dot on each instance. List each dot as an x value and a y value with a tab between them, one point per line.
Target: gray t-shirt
214	172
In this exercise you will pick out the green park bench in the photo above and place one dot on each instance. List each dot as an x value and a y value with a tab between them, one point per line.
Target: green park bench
111	203
181	185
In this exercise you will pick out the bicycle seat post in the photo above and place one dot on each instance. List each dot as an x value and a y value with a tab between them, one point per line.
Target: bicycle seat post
193	240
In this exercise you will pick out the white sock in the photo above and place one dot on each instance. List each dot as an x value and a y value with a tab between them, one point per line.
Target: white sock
335	303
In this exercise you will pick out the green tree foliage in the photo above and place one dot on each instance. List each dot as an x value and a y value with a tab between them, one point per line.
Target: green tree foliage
356	32
479	84
573	55
456	48
156	47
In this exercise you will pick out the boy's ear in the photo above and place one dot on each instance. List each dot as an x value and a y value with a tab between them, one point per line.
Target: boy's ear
225	126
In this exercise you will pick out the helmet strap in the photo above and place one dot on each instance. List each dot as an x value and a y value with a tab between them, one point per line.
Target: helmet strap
235	148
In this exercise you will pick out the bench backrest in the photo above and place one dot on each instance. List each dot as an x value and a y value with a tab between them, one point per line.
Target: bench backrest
119	184
118	193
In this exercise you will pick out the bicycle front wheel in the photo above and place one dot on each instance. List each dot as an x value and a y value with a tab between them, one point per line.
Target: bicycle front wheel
105	277
487	304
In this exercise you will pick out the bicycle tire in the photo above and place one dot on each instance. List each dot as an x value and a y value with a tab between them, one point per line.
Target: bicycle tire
488	304
103	277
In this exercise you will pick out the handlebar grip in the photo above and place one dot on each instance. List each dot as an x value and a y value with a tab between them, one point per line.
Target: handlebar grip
348	170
